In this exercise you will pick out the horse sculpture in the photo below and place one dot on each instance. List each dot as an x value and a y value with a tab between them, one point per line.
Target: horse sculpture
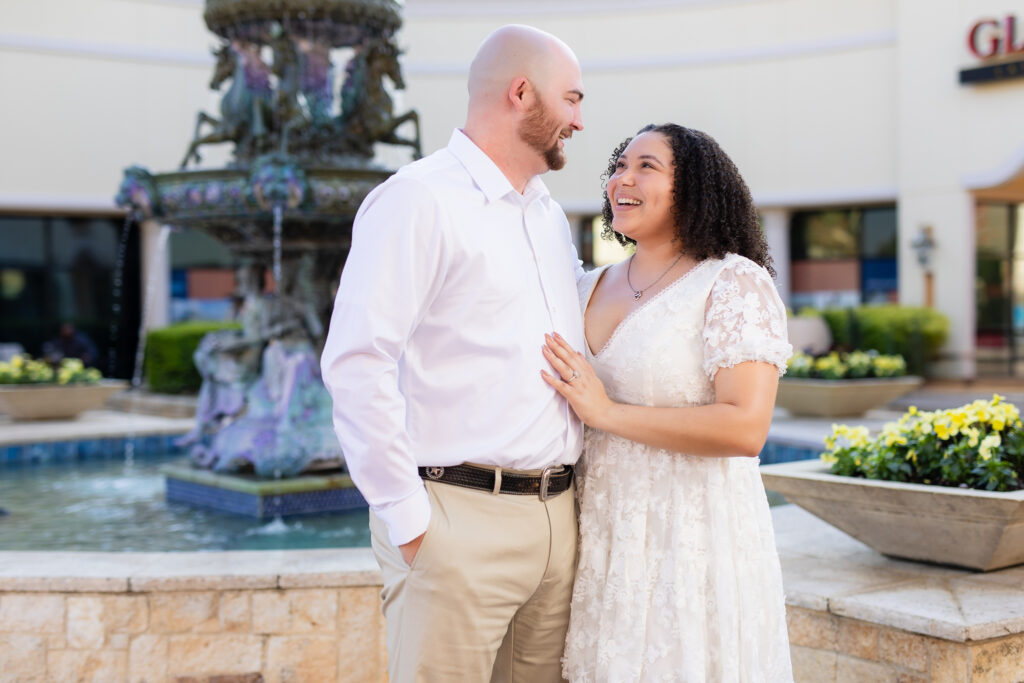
367	110
246	107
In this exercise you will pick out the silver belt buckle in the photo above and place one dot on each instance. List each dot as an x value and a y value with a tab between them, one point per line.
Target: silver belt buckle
545	480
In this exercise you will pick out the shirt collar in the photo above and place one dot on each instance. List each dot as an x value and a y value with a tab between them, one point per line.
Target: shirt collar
486	174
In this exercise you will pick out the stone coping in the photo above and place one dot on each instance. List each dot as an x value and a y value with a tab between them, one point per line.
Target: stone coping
92	424
94	572
823	570
826	570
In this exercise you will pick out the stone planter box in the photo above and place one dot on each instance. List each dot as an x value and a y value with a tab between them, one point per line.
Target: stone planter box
963	527
841	397
55	402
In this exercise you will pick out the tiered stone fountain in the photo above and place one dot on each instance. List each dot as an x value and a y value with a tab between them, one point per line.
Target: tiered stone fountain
302	163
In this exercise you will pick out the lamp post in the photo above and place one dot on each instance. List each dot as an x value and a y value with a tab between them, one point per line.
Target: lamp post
924	244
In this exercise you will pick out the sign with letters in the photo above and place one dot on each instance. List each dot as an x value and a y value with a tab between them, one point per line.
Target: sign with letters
995	41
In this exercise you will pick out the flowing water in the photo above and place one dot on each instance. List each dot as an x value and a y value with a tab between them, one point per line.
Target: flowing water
114	505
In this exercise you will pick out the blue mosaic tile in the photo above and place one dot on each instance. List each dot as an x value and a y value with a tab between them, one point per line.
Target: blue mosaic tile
776	452
64	451
39	452
199	495
313	502
89	449
265	507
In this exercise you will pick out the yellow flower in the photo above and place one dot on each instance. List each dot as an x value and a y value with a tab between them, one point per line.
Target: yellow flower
17	362
942	429
859	437
988	444
892	435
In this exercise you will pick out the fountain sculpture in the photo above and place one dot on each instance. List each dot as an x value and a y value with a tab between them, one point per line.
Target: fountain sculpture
302	163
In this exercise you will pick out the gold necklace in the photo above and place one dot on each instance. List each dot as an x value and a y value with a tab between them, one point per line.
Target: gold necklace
637	293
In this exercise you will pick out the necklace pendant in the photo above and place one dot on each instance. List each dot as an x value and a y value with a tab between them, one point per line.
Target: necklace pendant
637	295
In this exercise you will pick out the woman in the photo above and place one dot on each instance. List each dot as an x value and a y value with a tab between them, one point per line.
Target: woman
678	575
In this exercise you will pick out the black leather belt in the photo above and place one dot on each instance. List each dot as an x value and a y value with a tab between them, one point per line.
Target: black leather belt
550	482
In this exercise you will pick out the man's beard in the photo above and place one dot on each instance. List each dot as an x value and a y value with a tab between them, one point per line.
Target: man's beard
535	131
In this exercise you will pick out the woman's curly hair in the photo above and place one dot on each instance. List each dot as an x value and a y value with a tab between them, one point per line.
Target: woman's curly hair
714	212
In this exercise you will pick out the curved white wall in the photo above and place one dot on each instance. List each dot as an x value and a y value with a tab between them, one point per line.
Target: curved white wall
800	93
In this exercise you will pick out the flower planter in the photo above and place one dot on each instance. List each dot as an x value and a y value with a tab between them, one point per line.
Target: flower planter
841	397
54	401
963	527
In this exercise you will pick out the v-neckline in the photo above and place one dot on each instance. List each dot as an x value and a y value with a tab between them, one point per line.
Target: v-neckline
633	313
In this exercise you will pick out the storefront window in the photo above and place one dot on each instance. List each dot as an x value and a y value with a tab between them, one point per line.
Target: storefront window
56	269
202	277
843	257
999	288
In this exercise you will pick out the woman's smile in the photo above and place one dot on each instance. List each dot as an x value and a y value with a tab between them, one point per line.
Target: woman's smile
641	186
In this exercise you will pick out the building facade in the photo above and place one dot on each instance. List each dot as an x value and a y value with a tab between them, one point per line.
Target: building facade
880	138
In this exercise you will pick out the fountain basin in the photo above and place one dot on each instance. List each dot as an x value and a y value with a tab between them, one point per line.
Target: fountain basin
247	495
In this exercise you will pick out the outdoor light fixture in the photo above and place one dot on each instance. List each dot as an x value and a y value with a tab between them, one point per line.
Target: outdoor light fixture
924	245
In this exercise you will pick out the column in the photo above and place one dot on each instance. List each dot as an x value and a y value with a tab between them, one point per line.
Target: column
776	232
155	275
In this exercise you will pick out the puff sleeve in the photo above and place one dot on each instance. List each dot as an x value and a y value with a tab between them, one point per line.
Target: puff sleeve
744	320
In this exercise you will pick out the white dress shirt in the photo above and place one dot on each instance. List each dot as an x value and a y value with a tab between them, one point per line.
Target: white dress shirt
434	351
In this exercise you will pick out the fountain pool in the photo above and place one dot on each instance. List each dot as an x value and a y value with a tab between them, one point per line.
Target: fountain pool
119	505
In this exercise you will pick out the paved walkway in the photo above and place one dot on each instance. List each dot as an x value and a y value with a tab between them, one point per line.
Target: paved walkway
938	395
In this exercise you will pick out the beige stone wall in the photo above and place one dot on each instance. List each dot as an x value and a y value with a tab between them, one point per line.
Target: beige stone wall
306	616
309	635
830	648
302	635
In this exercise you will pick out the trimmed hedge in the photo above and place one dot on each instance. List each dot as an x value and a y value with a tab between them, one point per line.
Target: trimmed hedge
914	332
169	367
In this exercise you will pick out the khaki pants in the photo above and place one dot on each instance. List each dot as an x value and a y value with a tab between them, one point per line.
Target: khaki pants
487	595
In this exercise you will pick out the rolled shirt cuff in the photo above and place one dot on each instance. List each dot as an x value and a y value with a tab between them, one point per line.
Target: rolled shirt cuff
406	519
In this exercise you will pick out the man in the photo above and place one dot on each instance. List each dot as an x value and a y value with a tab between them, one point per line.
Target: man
70	342
460	264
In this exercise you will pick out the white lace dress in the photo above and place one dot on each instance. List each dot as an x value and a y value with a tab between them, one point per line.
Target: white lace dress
678	575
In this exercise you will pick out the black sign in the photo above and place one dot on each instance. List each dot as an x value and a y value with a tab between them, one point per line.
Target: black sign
993	72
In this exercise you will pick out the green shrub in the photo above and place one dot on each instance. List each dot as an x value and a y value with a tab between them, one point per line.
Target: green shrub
914	332
169	367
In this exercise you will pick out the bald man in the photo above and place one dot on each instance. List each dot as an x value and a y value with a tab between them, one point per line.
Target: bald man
460	263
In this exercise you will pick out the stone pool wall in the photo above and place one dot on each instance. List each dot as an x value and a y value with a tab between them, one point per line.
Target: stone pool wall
306	616
828	648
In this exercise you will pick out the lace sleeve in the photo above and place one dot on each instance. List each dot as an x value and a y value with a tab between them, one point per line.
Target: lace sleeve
744	320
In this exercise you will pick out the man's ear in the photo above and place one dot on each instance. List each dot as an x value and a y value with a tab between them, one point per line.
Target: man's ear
520	93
